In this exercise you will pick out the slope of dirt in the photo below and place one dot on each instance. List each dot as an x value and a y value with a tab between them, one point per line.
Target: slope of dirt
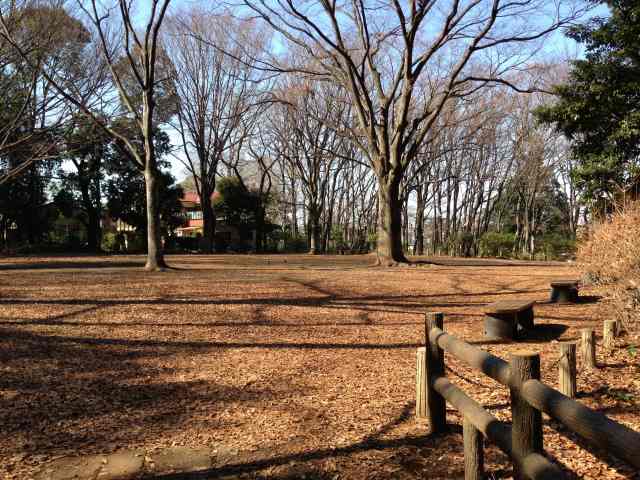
301	366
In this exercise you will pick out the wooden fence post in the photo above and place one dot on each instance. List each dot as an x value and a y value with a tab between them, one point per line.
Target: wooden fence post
526	421
421	384
588	348
619	328
609	333
567	369
473	454
434	368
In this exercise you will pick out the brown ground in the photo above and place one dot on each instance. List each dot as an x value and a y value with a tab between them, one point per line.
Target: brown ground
304	366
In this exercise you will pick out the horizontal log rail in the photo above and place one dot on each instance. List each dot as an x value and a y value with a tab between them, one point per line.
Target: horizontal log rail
522	440
532	465
593	426
475	357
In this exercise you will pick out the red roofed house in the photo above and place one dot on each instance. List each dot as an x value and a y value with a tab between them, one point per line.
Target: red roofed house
193	215
226	235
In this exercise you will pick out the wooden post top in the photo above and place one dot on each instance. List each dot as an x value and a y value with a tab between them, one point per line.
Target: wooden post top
509	306
524	353
565	282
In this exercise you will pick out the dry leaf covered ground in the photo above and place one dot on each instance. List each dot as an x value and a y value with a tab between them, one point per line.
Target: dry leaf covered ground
295	366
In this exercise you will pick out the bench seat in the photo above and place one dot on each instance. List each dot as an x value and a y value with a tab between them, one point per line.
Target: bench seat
506	319
564	291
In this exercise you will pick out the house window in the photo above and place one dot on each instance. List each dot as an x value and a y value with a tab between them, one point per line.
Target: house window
194	215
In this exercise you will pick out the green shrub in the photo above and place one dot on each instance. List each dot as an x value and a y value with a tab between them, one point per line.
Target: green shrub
297	244
137	243
337	236
497	244
556	246
110	242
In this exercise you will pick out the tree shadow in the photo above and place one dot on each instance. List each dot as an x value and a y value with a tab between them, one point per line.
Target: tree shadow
70	265
328	299
412	304
254	462
482	262
59	321
204	346
53	389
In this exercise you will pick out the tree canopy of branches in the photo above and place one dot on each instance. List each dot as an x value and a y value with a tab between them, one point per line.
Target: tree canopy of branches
33	114
400	74
306	126
217	86
404	125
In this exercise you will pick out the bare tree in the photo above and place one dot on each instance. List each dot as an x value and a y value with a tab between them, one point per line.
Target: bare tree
307	125
260	154
131	56
385	56
217	89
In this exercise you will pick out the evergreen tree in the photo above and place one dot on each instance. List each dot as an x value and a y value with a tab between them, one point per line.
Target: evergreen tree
599	105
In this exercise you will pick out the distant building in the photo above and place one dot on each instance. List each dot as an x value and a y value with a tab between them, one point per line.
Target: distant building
227	236
193	222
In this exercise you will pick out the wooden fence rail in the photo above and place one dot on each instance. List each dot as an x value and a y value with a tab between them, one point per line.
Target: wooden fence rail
522	440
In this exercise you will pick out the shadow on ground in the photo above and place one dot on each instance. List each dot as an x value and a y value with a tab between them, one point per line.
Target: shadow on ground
304	464
56	386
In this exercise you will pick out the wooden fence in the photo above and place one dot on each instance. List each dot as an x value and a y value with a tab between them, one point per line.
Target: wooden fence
522	440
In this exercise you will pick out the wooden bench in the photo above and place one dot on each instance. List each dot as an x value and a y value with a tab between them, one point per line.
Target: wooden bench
507	318
564	291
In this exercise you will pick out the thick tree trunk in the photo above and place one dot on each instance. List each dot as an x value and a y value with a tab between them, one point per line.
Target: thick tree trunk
389	241
208	223
314	233
94	231
155	258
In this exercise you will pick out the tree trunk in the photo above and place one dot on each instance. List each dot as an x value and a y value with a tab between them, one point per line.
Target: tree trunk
389	241
94	231
294	210
260	217
314	232
208	222
405	224
32	222
419	245
155	258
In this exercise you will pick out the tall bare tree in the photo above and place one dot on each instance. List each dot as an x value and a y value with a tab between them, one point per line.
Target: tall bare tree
217	89
131	55
402	62
307	125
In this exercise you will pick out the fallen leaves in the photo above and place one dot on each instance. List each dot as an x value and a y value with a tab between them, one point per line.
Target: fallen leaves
307	365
